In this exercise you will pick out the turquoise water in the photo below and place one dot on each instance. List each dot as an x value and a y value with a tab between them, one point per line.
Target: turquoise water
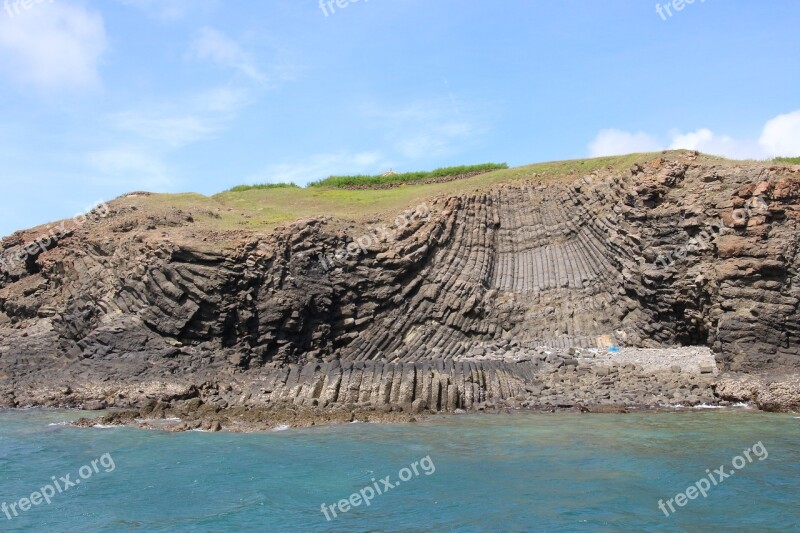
521	472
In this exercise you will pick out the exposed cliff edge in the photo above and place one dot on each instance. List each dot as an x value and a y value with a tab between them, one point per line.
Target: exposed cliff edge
480	300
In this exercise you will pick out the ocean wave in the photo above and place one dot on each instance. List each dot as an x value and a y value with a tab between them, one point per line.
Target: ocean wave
740	405
282	427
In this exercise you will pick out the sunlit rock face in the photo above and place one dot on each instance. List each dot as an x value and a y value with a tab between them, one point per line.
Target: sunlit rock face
472	301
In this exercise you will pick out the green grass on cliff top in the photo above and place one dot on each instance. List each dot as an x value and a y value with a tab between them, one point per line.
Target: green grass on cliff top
264	208
258	186
407	177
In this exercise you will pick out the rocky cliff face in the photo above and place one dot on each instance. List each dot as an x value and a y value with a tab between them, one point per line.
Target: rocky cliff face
470	302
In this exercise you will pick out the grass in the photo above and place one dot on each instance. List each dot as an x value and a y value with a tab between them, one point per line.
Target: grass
408	177
790	160
257	209
260	186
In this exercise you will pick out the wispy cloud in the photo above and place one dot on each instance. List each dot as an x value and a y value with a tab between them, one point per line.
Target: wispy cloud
53	46
174	132
420	130
174	125
142	139
129	166
225	100
435	140
321	166
213	45
170	10
780	136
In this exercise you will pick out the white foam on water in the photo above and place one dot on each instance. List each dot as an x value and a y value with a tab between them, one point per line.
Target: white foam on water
102	426
57	424
741	405
282	427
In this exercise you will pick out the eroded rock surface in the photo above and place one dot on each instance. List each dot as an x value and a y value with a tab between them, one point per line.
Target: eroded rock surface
457	312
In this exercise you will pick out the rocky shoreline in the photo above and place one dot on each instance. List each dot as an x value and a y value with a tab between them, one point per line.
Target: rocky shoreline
760	393
584	381
240	420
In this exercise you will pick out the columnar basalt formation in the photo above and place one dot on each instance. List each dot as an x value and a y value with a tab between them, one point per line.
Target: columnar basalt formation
477	303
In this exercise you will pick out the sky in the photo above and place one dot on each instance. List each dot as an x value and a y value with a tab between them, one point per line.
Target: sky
106	97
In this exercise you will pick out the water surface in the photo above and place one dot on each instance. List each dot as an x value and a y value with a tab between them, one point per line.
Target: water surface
521	472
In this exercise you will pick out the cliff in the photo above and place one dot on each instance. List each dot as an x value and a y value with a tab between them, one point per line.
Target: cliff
491	291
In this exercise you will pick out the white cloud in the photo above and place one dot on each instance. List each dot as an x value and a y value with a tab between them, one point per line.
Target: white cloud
213	45
321	166
618	142
781	135
705	140
51	45
692	141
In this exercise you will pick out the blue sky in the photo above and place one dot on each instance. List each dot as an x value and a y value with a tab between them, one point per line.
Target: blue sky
106	97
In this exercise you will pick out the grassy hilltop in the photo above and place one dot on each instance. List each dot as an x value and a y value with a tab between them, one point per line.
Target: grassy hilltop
263	207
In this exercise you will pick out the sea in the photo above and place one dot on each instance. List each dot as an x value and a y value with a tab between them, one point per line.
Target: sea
690	470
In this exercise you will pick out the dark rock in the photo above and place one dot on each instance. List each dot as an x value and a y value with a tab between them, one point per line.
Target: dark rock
94	405
497	274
